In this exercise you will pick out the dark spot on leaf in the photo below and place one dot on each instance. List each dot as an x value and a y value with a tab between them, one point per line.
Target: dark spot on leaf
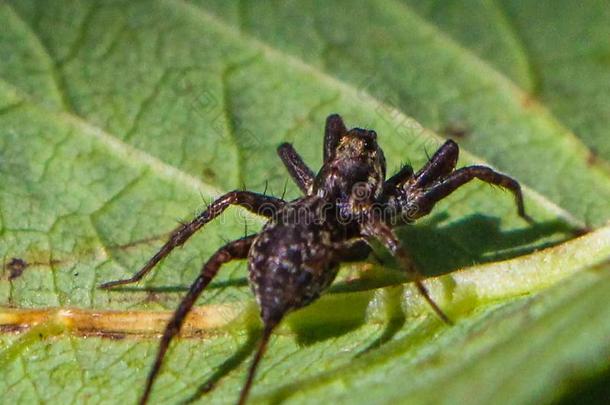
11	328
456	130
592	158
603	58
528	101
112	335
152	296
16	267
209	173
104	334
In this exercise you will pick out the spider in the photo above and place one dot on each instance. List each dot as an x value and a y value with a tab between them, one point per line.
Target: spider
345	206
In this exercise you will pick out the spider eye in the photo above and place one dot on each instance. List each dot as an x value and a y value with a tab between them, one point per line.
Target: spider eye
370	142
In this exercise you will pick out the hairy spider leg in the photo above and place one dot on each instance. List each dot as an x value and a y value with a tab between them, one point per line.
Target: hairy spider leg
302	175
428	197
439	166
333	131
358	250
388	238
262	347
237	249
404	174
257	203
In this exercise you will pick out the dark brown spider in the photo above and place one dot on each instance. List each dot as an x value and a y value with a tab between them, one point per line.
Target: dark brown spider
347	204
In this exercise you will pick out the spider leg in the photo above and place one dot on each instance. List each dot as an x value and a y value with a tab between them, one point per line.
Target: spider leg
358	251
257	203
425	200
262	347
355	251
440	165
237	249
403	175
300	173
388	238
333	131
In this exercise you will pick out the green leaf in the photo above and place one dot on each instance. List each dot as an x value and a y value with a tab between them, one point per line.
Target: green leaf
521	40
514	80
118	118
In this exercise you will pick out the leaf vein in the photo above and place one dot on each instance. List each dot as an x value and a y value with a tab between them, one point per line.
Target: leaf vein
58	79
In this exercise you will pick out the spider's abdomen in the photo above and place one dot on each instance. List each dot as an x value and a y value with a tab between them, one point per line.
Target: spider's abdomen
290	264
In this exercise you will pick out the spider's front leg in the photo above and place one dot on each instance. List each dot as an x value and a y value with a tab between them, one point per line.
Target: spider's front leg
257	203
334	129
375	228
300	173
427	198
438	166
437	179
237	249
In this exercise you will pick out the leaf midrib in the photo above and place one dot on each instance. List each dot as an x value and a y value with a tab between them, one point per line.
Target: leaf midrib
523	275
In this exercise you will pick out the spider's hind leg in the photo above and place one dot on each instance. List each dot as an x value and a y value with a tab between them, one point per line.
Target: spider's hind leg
237	249
262	347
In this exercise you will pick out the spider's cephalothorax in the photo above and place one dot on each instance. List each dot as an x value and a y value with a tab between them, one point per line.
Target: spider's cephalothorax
347	204
353	170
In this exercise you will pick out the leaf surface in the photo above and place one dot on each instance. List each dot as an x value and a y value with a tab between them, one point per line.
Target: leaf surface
118	119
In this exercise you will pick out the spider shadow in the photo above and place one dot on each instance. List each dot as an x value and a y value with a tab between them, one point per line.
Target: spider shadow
333	315
440	249
594	390
229	365
476	239
395	315
437	250
485	242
